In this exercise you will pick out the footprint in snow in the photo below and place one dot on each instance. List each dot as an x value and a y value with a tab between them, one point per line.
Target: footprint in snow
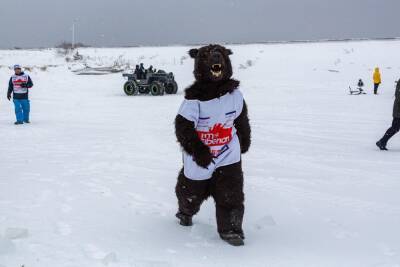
13	233
109	258
344	234
171	251
6	246
150	263
93	252
65	208
64	229
149	207
339	231
265	221
387	250
96	188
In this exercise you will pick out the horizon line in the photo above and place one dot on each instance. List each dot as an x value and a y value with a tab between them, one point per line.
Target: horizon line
328	40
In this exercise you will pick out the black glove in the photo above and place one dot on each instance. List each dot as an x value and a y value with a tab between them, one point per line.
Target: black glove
9	97
244	148
202	156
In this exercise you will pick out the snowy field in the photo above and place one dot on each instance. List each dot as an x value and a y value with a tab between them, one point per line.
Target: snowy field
90	182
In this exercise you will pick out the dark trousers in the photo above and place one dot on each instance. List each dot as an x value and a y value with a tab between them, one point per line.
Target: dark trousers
225	186
392	130
376	86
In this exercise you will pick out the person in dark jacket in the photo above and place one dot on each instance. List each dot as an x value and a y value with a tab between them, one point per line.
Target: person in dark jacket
360	83
395	123
18	88
137	72
142	71
360	86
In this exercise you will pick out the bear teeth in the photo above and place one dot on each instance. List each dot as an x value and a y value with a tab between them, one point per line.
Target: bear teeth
216	73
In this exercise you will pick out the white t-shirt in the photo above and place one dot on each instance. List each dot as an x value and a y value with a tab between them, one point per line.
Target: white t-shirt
213	121
17	80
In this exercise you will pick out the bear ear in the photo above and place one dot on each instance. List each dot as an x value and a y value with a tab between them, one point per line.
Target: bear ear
228	52
193	52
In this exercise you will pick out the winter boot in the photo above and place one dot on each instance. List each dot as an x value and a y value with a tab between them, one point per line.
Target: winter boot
232	238
381	144
185	220
241	234
18	123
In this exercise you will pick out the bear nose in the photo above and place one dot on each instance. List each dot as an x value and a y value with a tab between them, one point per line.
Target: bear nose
216	57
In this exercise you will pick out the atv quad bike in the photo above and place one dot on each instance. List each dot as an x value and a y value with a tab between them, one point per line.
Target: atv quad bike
154	83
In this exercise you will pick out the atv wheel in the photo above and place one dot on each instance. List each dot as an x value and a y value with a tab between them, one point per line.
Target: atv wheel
156	88
130	88
171	88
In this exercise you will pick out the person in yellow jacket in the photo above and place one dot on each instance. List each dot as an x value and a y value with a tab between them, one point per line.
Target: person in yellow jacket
377	80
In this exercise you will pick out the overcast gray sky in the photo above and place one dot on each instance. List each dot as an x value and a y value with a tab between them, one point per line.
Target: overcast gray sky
44	23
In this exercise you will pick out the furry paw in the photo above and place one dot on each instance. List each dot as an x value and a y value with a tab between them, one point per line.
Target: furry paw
244	144
202	156
243	149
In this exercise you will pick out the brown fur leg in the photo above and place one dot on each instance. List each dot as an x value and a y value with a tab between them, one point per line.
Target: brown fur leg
191	194
229	198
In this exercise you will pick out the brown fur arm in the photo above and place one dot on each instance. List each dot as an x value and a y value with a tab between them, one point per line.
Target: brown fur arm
191	143
242	126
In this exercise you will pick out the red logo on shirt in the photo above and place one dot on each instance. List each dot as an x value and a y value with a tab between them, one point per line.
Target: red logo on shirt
19	81
216	136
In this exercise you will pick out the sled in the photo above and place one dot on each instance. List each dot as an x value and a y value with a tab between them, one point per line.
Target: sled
358	91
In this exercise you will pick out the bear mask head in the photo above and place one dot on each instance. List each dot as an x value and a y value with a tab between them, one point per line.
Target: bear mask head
212	63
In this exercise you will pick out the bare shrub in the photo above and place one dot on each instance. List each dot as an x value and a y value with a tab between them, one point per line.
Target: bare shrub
65	48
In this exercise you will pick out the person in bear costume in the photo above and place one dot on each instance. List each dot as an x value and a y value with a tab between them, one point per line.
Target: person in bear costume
212	127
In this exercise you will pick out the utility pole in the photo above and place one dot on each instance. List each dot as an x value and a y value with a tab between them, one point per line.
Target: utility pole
73	35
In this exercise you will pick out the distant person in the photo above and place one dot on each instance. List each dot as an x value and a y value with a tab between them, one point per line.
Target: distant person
19	86
137	72
396	121
150	70
377	80
142	71
360	83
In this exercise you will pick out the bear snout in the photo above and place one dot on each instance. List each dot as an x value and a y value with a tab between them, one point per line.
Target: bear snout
216	57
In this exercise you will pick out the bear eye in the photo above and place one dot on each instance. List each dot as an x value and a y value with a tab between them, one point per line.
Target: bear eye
204	55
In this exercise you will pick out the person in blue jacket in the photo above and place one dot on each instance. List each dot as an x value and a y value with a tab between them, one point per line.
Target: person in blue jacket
18	87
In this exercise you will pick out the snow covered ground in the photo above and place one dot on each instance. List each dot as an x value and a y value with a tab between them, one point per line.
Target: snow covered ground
90	182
